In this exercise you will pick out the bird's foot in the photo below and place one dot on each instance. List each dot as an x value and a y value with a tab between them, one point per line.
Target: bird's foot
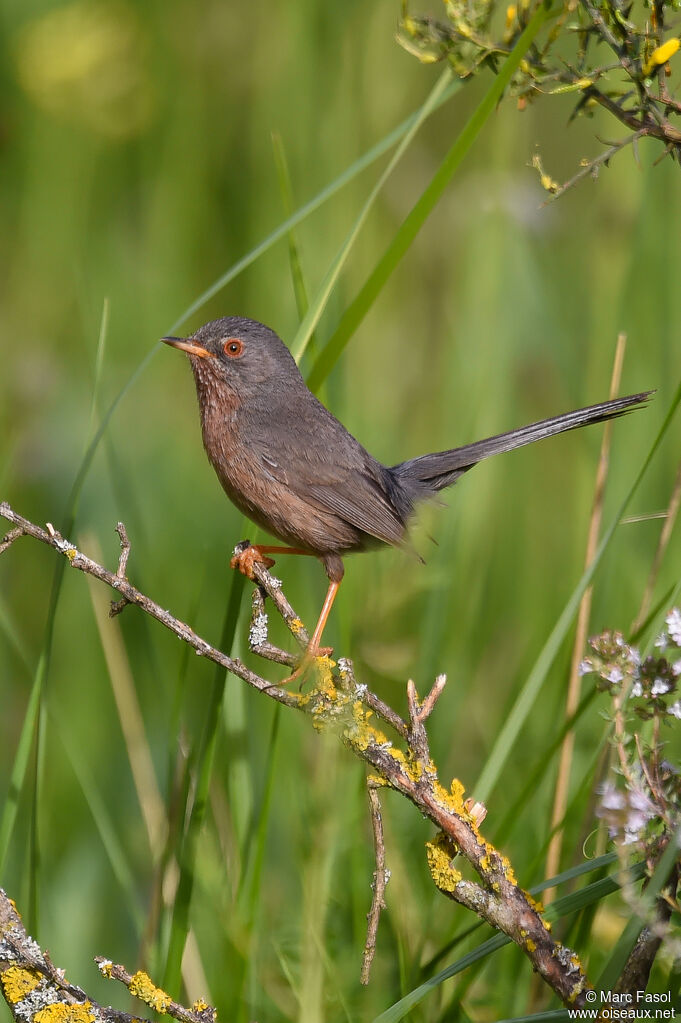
310	657
247	558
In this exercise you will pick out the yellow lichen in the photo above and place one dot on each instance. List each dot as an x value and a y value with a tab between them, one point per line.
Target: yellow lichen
17	982
361	734
71	553
412	768
452	800
142	987
199	1005
530	945
537	906
325	683
504	863
65	1012
440	852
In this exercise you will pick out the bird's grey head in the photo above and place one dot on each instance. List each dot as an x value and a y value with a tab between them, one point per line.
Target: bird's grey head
239	355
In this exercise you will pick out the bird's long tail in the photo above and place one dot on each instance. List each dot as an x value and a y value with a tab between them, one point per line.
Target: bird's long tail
429	473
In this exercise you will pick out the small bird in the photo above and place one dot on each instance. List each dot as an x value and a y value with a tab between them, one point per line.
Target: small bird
288	464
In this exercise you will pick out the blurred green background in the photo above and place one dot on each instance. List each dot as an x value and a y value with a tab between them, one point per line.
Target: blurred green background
137	166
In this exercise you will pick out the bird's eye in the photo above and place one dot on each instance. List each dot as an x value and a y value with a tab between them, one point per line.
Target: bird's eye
233	347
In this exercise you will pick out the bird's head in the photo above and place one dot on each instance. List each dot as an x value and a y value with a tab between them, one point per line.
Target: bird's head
237	355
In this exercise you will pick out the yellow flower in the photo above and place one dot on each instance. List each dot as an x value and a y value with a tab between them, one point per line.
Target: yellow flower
661	54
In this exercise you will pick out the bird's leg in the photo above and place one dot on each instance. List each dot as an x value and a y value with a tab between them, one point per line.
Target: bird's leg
245	559
314	649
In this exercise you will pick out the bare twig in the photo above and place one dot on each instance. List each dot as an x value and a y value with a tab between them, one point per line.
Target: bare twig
428	705
381	878
78	560
118	605
125	551
590	167
9	539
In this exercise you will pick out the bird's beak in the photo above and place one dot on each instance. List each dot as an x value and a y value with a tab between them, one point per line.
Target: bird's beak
188	346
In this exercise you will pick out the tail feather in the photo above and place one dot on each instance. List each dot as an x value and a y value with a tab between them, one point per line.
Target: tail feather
429	473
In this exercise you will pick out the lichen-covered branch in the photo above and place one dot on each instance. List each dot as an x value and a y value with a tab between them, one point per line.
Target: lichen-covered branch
36	991
336	701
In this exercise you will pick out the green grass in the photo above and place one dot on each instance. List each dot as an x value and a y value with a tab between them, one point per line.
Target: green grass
477	312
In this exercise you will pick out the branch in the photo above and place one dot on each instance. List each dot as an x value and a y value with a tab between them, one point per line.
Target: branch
381	878
35	989
131	595
338	702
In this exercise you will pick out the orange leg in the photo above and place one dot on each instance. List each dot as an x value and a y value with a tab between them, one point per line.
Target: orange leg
313	648
258	553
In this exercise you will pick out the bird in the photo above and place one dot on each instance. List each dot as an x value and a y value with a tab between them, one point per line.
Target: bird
288	464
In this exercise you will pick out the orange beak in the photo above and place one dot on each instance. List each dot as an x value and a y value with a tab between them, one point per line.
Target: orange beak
188	346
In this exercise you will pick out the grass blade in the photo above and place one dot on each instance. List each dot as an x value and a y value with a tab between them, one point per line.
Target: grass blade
558	909
304	211
297	276
179	927
410	227
20	765
528	694
318	305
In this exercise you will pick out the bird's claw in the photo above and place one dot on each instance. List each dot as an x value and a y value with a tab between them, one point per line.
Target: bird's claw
247	558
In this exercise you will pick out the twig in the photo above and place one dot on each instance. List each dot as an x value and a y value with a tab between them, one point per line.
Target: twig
141	986
272	588
604	29
125	551
118	605
258	642
370	700
418	713
78	560
636	972
9	539
381	878
337	701
35	989
592	165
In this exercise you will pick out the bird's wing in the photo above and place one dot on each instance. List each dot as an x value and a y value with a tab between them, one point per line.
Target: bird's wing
323	464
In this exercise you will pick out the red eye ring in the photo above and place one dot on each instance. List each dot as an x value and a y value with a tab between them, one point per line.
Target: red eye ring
233	347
